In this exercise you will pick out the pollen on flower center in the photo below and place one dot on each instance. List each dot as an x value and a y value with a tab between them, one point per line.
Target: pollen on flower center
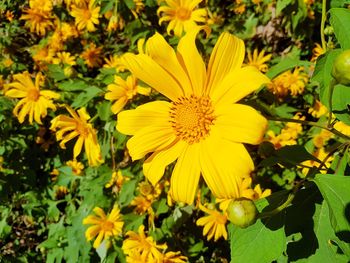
183	13
87	14
191	118
107	226
82	129
33	94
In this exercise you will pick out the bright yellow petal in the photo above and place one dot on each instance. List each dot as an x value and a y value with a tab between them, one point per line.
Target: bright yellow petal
119	105
16	93
185	176
154	166
99	238
150	72
227	56
240	123
78	146
238	84
153	113
92	231
222	162
99	211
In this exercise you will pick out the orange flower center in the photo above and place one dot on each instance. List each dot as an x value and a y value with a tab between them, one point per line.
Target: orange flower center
191	118
87	14
33	94
107	226
83	129
183	13
145	188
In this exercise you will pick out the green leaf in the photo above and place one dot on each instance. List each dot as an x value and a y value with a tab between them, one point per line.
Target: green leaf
83	98
265	241
285	64
340	102
73	85
280	5
104	110
340	20
335	190
56	72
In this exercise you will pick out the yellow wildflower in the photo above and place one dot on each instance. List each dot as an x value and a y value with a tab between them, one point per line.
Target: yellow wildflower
259	193
54	174
342	127
174	257
78	126
214	223
77	167
203	126
318	109
182	14
321	139
139	7
103	226
9	15
114	62
258	60
42	56
64	58
320	154
140	244
317	51
34	102
86	16
60	192
117	179
91	55
115	22
122	91
239	8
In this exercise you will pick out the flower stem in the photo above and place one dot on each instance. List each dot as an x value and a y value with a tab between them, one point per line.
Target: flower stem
330	98
323	22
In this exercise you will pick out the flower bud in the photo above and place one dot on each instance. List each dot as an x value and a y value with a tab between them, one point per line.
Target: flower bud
341	68
242	212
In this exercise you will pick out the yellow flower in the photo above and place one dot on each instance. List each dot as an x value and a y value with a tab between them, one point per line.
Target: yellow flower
240	8
70	128
142	204
77	167
9	15
140	244
91	55
38	16
317	51
103	226
60	192
342	127
182	15
54	174
34	102
318	109
202	127
258	60
114	62
117	179
86	16
139	7
259	193
115	22
64	58
122	91
321	139
320	154
174	257
214	223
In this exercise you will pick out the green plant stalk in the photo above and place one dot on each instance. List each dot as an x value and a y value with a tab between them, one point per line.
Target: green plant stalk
280	208
323	22
330	98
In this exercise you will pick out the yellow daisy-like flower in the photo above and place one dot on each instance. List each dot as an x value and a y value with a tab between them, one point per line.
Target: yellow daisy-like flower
319	140
182	14
64	58
117	180
38	16
77	167
34	102
78	125
214	223
203	127
124	90
318	109
114	62
60	192
145	246
317	51
91	55
86	16
174	257
104	226
342	127
258	60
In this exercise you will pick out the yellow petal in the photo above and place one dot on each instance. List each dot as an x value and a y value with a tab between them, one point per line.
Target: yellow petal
15	93
153	113
162	53
192	61
227	56
223	164
119	105
150	72
99	211
240	123
154	166
78	146
99	238
238	84
91	220
185	176
150	139
92	231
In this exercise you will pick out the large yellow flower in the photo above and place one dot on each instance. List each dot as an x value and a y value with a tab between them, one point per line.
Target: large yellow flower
34	102
181	15
78	126
103	226
86	16
203	126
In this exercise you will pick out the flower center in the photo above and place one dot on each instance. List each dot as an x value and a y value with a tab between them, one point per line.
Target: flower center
33	94
83	129
107	226
191	118
86	15
183	13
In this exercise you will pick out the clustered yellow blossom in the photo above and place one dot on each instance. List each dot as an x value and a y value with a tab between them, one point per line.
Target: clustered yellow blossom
103	226
86	15
148	194
319	140
317	51
318	109
77	167
258	59
114	62
92	56
289	82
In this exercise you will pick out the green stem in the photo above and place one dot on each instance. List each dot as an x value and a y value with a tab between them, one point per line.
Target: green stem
323	22
280	208
331	89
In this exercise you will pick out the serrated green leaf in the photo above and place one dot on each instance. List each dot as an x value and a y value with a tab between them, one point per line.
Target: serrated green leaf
286	64
83	98
340	20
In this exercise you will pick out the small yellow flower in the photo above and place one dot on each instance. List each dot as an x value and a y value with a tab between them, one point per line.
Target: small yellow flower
318	109
114	62
317	51
342	127
54	174
91	55
259	193
320	154
117	180
77	167
103	226
174	257
319	140
9	15
86	16
64	58
78	126
182	14
122	91
145	246
139	7
115	22
34	102
239	8
258	60
60	192
214	223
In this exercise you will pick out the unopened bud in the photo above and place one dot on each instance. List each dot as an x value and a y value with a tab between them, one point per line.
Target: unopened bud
341	68
242	212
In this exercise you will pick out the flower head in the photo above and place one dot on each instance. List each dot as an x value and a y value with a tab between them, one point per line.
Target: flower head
317	51
103	226
258	60
78	126
77	167
114	62
34	102
318	109
86	16
91	55
117	180
182	15
122	91
202	127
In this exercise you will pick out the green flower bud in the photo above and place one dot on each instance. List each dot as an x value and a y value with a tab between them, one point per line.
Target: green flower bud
242	212
341	68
